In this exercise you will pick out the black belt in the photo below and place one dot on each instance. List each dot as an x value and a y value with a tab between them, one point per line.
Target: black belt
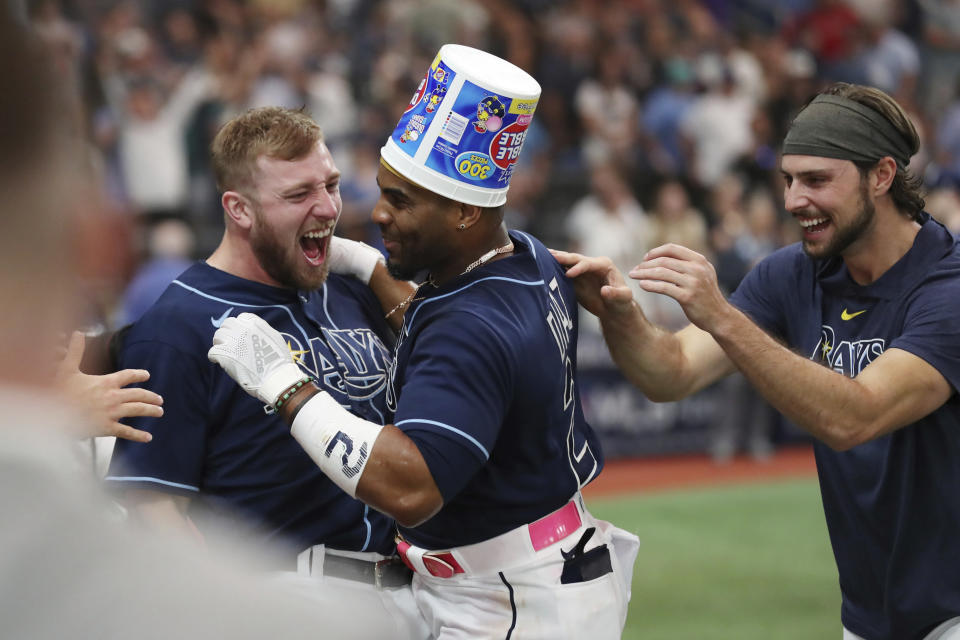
387	573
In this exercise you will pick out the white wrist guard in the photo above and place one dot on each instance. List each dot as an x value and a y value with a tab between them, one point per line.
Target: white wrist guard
352	258
338	441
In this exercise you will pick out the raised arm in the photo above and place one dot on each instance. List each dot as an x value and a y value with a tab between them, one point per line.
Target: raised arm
895	390
664	365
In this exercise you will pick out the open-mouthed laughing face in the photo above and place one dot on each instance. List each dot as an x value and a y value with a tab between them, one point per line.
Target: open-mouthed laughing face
295	209
830	200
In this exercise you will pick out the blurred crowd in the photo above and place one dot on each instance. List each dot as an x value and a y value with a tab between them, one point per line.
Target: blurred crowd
660	120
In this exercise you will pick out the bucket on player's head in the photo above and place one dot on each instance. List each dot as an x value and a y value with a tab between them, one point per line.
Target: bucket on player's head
461	134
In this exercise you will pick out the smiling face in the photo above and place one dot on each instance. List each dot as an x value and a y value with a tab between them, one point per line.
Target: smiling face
295	205
416	225
830	200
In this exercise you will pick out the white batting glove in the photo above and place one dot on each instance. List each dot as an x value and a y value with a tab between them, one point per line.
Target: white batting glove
255	355
352	258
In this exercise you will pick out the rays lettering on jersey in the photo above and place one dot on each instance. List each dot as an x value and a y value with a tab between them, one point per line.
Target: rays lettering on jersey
360	366
849	357
582	460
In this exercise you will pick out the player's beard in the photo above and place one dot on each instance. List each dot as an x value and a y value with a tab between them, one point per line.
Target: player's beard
285	265
402	272
852	232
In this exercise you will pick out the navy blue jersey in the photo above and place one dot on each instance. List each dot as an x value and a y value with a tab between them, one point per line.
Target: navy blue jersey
892	504
214	441
485	386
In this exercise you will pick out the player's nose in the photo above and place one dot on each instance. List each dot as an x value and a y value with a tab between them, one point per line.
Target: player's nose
794	199
327	206
380	215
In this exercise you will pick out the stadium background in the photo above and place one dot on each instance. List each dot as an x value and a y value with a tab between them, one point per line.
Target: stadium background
659	120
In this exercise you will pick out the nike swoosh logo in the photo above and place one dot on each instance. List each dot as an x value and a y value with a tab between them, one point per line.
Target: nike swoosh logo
846	315
216	322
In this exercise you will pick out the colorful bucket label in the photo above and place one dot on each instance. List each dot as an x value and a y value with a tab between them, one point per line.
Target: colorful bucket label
481	138
423	105
474	166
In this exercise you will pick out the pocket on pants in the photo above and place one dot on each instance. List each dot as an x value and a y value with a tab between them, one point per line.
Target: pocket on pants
591	609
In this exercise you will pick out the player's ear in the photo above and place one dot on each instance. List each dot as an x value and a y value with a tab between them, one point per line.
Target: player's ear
883	174
237	208
468	214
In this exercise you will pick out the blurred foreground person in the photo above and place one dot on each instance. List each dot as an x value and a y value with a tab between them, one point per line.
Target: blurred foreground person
66	569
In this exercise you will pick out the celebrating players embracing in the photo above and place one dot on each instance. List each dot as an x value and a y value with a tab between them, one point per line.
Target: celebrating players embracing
487	450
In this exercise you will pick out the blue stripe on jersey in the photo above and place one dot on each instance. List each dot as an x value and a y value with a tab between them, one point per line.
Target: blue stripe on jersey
465	287
326	311
474	441
530	243
250	306
154	480
366	523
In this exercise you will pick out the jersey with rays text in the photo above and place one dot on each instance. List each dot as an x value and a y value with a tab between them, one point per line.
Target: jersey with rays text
892	505
215	443
485	385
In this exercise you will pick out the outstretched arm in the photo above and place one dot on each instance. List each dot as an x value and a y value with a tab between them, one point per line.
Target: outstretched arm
664	365
105	398
895	390
378	465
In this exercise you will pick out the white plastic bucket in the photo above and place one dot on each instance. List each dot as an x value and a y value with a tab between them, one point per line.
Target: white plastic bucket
462	132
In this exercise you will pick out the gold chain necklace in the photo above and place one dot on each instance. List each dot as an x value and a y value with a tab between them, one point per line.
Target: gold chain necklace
489	255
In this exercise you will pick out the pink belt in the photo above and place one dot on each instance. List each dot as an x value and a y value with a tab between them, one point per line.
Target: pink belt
506	550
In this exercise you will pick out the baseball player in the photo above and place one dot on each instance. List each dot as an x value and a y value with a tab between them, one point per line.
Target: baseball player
215	454
863	352
67	568
487	447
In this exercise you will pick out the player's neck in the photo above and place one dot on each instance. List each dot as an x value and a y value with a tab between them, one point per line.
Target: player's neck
494	246
890	239
237	258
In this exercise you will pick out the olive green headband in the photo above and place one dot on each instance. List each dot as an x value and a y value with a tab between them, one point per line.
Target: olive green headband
835	127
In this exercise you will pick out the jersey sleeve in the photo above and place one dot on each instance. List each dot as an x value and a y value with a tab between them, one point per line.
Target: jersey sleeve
173	461
762	294
456	390
931	329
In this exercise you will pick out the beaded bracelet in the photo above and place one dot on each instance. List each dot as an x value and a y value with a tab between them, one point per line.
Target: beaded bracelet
290	391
